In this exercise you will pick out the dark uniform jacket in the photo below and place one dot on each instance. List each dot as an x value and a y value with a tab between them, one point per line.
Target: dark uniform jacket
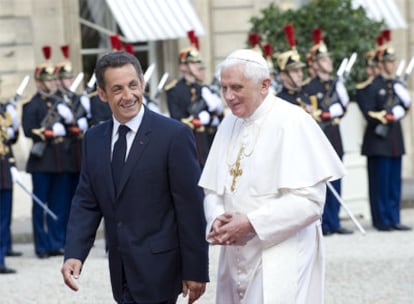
298	98
322	90
56	157
6	153
379	139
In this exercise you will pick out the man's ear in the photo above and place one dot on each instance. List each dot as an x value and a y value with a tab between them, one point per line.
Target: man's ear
102	94
142	81
266	83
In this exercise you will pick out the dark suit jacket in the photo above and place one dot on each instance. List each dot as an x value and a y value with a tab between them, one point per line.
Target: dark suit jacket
155	226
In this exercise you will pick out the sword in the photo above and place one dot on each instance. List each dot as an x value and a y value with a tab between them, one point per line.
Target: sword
400	69
161	86
148	73
349	64
38	201
343	205
20	90
409	69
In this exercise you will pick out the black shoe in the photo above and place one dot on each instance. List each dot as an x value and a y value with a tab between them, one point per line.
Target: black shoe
401	227
387	229
14	253
5	270
42	255
342	230
57	252
327	232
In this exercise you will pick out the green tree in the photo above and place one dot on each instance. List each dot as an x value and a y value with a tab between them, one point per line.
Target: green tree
345	30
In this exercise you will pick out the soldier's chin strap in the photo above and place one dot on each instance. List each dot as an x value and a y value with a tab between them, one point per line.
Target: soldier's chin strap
295	85
192	74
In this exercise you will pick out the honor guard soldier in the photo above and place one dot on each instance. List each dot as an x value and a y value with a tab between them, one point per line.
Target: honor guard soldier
194	104
329	100
81	110
9	132
385	104
290	70
43	120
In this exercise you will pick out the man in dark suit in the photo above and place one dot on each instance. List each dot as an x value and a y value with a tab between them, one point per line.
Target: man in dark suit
153	212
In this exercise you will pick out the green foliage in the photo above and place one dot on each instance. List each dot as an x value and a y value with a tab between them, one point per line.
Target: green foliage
345	30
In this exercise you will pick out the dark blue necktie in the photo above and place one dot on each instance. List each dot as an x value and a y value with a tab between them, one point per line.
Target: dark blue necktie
118	155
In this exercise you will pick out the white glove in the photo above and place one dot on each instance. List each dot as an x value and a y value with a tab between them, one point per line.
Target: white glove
402	94
13	115
58	129
215	122
65	113
336	110
15	175
204	117
398	112
11	133
213	101
86	104
83	124
342	93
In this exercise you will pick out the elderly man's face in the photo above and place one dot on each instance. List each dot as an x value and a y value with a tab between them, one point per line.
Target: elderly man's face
242	95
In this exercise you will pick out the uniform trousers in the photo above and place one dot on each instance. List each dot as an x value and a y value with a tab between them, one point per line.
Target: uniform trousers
55	190
384	179
5	221
330	216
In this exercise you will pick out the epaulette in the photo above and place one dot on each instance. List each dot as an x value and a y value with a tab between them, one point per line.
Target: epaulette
171	85
364	84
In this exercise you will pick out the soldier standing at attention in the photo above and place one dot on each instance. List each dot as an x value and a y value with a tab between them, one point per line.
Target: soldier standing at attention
330	100
290	72
194	104
43	120
384	103
9	132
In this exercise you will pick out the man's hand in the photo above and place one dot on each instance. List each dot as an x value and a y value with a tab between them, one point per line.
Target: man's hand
194	289
71	270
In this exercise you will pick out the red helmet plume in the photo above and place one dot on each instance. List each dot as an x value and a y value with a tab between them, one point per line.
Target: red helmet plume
65	51
317	35
290	34
47	51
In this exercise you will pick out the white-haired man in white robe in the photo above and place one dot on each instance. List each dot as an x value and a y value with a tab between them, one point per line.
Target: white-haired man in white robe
265	184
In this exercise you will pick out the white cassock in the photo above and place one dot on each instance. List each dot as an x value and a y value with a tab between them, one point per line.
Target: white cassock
284	165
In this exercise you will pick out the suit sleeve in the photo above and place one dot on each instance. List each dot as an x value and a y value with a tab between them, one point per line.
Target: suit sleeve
184	172
85	214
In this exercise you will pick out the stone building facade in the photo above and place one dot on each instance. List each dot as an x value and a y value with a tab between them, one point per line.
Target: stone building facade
27	25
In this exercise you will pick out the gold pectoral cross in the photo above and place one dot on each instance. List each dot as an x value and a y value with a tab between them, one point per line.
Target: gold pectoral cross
236	171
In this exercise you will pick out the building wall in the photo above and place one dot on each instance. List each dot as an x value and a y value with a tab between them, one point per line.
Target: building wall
26	26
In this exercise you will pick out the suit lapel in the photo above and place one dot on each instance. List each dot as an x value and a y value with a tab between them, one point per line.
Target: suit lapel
139	144
106	153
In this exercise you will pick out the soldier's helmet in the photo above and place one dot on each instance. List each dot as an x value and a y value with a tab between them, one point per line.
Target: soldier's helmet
191	54
45	71
386	52
64	69
188	55
319	48
290	59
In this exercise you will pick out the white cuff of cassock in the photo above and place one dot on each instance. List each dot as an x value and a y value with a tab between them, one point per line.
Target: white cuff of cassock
213	207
